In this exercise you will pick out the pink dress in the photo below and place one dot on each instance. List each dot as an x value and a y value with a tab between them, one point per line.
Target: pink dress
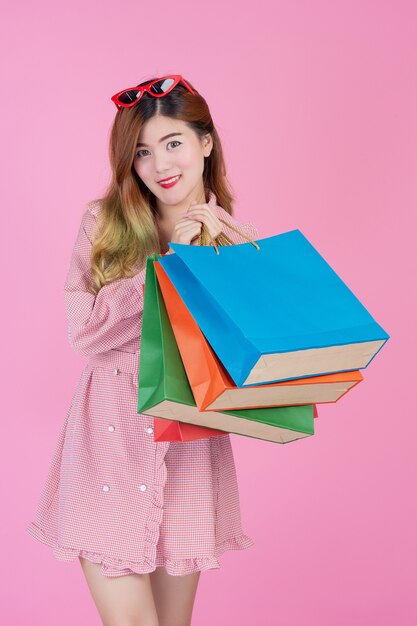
112	495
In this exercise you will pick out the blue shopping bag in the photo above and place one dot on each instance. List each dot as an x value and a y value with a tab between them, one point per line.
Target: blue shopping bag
275	313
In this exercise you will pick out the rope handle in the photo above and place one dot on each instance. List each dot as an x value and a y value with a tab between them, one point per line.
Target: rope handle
222	239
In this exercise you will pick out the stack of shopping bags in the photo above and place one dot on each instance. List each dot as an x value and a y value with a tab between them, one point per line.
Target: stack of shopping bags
248	339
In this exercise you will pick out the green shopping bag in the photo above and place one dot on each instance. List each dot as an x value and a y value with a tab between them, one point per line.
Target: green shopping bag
164	391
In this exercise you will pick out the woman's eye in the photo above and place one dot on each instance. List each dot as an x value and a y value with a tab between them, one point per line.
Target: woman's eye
138	153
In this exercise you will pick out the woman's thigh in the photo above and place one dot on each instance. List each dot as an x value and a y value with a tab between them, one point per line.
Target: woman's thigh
174	596
121	600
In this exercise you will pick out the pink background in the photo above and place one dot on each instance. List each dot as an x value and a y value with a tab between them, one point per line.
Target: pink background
316	105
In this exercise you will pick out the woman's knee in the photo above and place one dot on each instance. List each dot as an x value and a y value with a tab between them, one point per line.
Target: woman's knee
121	600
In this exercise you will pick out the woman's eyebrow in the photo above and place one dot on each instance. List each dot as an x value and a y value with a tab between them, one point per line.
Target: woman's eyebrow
162	139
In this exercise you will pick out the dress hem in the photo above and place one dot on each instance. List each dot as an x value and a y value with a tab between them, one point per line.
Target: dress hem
111	566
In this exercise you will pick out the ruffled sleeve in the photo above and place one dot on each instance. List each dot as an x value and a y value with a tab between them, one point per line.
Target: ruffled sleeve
110	319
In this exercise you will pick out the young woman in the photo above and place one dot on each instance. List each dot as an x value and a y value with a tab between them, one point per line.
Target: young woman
143	517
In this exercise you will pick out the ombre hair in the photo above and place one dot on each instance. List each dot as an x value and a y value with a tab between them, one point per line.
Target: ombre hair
126	231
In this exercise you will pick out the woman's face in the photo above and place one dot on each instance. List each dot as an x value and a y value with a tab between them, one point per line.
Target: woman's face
182	153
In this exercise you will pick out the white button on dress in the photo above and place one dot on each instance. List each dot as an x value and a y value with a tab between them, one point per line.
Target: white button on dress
116	371
111	428
142	487
106	488
149	430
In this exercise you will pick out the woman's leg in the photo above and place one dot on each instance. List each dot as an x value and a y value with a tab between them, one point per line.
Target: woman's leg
121	600
174	596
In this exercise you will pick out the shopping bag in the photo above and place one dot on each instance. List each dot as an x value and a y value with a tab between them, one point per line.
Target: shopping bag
152	365
274	312
169	430
212	386
164	390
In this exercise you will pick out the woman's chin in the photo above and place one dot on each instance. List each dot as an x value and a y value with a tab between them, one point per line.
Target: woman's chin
172	196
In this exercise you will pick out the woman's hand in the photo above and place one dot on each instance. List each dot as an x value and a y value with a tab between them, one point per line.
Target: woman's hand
187	229
203	214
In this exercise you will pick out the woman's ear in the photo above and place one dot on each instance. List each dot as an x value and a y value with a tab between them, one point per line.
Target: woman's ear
207	144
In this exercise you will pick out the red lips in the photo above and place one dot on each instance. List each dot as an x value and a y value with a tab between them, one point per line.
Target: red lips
162	180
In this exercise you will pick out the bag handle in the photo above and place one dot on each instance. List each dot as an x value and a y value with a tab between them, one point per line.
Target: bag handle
222	239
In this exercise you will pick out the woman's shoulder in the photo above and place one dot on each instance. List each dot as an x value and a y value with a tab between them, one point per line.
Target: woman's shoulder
94	207
89	218
227	217
248	228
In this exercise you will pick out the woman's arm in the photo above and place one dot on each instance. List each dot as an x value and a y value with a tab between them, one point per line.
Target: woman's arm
113	317
110	319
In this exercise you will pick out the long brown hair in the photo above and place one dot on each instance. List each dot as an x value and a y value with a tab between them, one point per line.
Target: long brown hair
127	232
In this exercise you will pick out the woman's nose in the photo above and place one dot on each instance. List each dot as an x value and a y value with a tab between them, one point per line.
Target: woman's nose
162	164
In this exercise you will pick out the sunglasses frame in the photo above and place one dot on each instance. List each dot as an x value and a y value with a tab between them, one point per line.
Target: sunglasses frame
177	79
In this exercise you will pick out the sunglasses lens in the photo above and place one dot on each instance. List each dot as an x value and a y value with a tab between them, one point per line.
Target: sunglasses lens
162	86
127	97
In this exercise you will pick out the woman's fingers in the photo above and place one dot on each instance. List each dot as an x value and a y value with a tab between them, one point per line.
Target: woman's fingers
185	224
188	228
185	230
203	213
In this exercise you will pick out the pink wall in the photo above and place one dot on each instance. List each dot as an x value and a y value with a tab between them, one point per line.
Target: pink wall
316	106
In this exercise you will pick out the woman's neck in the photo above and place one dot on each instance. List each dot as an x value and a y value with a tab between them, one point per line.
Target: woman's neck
169	215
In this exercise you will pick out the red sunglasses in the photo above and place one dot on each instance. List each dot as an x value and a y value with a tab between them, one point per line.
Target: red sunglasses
156	88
